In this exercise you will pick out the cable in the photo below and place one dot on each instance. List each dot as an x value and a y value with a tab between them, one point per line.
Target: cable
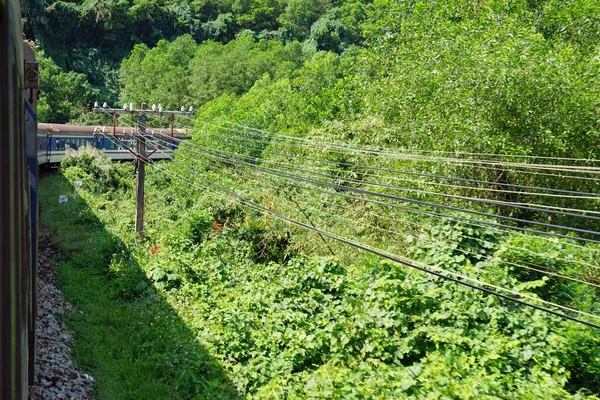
544	267
437	193
575	245
278	187
526	267
496	202
424	203
591	196
495	225
449	275
524	206
381	152
117	144
424	151
469	221
594	195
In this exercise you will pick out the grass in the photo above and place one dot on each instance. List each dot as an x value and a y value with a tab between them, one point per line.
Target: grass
127	335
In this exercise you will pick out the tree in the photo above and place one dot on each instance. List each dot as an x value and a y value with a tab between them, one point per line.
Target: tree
63	95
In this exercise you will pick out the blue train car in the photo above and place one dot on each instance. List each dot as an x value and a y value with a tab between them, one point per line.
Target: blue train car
55	140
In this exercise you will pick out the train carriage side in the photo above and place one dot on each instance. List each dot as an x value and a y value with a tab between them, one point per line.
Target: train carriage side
15	256
31	95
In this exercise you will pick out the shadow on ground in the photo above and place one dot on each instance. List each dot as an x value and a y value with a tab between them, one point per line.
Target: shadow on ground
128	337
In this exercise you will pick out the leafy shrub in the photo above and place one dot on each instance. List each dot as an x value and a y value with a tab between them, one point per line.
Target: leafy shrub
454	243
95	170
128	282
549	260
89	159
199	226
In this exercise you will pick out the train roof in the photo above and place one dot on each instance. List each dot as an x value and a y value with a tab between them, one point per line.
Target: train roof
84	130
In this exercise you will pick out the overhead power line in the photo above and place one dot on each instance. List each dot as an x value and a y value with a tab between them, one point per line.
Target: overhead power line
436	271
233	134
526	265
383	152
406	200
470	221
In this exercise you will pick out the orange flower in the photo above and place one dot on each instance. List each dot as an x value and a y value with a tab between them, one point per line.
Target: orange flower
154	250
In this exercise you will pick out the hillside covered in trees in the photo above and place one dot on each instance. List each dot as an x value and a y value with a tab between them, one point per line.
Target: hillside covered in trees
367	98
495	73
92	38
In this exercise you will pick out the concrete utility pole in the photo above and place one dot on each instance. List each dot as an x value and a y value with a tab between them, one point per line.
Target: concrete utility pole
140	152
141	173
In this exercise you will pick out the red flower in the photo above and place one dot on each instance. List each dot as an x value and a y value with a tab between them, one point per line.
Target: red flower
217	226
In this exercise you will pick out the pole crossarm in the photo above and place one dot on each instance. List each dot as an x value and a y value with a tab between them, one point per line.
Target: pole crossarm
140	111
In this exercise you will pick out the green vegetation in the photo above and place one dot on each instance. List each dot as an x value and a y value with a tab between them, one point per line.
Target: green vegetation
64	96
267	310
188	74
280	323
126	332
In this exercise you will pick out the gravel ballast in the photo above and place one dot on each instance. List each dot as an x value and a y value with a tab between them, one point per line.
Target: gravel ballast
56	374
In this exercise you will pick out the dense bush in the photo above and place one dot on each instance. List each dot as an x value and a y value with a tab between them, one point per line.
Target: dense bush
91	38
180	72
95	171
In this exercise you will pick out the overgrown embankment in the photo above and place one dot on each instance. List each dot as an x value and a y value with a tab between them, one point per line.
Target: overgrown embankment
214	284
125	330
